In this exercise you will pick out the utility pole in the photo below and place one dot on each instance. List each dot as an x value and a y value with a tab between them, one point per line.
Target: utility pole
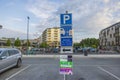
1	26
28	18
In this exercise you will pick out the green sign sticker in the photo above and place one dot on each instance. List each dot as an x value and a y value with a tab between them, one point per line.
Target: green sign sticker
66	64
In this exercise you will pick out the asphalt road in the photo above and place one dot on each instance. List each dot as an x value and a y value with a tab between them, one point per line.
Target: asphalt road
84	68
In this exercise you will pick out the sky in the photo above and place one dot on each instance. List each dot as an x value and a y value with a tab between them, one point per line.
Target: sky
89	16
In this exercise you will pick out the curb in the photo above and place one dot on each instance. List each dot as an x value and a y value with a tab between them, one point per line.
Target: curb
75	56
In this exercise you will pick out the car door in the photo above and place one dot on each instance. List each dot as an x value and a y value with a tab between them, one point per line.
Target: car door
12	57
4	61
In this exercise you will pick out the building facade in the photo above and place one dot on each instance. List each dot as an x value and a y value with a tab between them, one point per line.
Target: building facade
3	41
110	36
52	36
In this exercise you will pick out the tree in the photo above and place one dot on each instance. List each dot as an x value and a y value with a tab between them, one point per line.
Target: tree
17	42
90	42
76	45
8	43
28	42
44	45
25	44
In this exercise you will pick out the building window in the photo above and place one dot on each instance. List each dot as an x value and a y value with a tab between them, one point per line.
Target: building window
113	43
112	28
104	34
114	34
108	32
110	35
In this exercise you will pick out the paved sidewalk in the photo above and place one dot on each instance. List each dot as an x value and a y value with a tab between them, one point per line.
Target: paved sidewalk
77	56
106	51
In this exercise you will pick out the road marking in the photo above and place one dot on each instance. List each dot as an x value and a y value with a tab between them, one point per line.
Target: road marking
17	72
96	65
109	73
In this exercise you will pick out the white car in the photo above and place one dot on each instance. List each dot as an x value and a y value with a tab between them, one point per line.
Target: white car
10	57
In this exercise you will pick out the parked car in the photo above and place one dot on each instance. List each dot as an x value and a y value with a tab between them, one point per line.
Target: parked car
93	49
10	57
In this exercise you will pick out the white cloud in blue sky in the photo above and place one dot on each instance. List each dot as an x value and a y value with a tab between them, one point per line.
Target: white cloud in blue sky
89	16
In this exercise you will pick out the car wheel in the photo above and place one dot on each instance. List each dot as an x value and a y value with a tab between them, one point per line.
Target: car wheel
19	63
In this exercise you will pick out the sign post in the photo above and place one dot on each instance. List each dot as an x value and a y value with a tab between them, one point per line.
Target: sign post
66	43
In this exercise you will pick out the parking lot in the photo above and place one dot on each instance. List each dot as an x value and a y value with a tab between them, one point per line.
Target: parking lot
47	68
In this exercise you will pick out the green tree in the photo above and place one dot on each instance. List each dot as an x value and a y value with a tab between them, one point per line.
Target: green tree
44	45
28	42
76	45
8	43
90	42
25	44
17	42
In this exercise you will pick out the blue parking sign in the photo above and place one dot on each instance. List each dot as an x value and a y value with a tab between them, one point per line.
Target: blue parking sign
66	41
65	19
66	31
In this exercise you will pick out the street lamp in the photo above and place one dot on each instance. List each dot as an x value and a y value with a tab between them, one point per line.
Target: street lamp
27	32
0	26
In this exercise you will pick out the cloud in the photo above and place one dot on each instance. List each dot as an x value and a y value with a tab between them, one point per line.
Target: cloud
42	9
8	33
106	1
89	16
16	19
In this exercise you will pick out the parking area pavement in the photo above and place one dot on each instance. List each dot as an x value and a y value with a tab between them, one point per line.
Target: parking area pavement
45	68
74	55
6	75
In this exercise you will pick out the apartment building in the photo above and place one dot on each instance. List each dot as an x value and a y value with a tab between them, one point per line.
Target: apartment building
51	36
110	36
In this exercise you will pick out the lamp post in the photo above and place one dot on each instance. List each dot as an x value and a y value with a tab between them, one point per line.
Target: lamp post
28	18
0	26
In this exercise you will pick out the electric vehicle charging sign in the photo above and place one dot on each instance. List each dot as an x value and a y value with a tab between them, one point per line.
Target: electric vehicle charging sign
66	64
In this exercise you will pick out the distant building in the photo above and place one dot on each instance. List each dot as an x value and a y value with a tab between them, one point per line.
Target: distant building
33	42
4	40
51	36
110	36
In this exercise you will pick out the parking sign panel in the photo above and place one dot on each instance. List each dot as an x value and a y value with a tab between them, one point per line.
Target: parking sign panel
66	31
65	19
66	41
66	64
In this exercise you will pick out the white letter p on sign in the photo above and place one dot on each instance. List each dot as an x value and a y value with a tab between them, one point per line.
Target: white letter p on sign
66	17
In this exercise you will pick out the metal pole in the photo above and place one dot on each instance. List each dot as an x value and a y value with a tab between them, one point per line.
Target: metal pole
64	74
27	32
64	77
1	26
1	42
66	12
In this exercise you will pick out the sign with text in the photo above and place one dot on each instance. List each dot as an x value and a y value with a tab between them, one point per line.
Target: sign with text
66	43
66	40
66	64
